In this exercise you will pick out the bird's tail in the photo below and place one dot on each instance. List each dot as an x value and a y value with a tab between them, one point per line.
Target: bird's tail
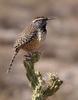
11	63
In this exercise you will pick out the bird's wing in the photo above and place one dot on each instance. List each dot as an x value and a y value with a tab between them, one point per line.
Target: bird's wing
25	37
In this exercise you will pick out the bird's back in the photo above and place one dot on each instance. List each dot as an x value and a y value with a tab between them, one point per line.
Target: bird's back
29	39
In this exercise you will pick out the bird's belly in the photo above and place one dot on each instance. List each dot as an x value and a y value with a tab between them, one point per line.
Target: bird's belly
35	43
32	45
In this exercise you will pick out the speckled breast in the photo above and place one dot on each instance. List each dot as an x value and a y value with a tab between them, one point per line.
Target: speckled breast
35	43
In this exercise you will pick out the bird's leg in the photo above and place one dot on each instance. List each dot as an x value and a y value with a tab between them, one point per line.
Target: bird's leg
28	56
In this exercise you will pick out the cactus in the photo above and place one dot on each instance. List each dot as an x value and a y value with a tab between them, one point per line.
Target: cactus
42	86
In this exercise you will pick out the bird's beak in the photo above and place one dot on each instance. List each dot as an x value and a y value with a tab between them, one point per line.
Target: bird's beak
52	18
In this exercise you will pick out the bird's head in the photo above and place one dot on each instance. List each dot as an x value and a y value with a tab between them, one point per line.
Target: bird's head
41	22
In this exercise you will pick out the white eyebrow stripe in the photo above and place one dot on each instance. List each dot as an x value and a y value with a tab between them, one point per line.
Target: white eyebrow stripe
37	19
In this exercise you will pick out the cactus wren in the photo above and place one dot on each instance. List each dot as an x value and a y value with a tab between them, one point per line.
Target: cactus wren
31	38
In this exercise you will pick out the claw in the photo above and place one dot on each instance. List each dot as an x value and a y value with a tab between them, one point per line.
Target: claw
28	56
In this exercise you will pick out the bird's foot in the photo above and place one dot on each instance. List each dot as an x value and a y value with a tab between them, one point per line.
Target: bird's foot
28	56
32	56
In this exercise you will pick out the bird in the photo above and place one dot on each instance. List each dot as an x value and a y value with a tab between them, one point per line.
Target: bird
31	38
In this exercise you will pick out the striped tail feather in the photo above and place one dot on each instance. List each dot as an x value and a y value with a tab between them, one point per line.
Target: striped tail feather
11	63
